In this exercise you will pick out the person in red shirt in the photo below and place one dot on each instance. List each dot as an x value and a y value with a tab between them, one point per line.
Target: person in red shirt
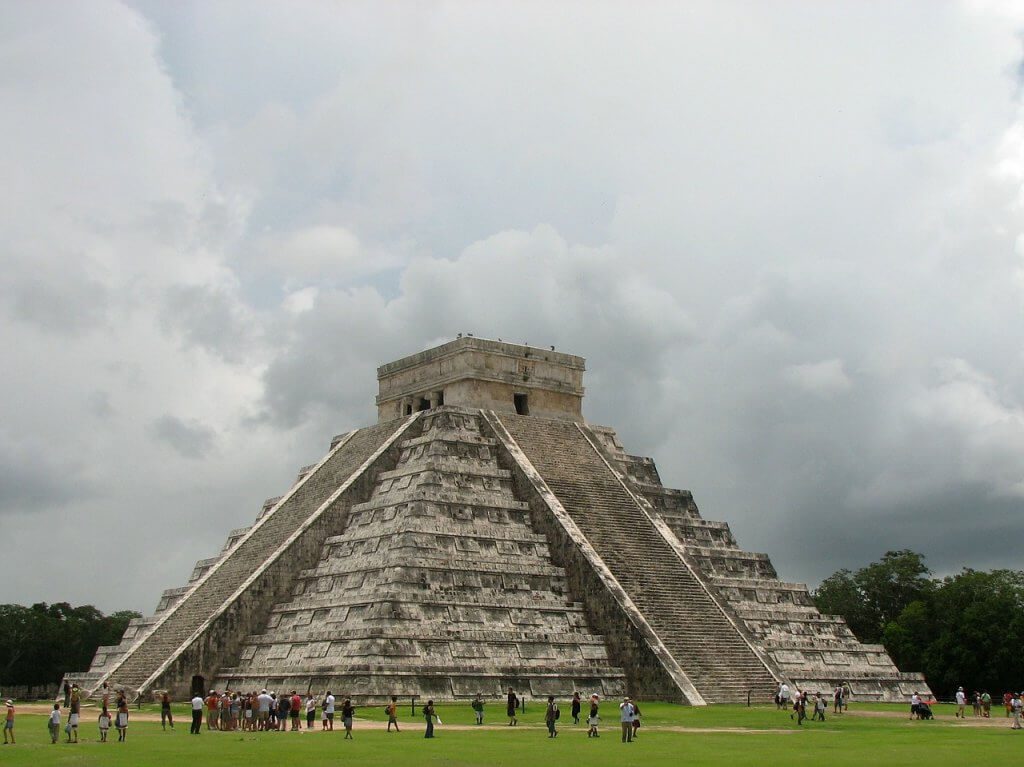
294	710
212	715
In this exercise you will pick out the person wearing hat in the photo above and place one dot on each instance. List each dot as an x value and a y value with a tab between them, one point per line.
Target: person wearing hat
961	702
1015	705
9	722
626	719
593	719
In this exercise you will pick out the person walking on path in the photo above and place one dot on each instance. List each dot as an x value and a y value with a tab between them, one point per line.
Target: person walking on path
626	720
347	712
54	723
392	711
510	708
1015	706
165	711
429	715
576	706
197	715
104	724
593	719
9	722
478	708
551	715
122	717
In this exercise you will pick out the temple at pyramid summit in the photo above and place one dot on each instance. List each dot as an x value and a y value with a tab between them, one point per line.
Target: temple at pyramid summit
483	535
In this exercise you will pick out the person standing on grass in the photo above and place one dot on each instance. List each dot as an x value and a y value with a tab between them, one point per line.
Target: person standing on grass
478	708
329	710
54	723
819	707
347	712
783	696
511	706
284	709
104	724
122	717
1015	706
551	714
263	703
165	711
72	726
310	710
105	695
986	704
593	719
961	703
9	722
428	714
67	694
1008	703
626	720
197	714
392	711
636	718
576	706
296	710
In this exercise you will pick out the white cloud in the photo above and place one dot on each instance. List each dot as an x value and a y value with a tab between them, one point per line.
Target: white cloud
786	240
822	379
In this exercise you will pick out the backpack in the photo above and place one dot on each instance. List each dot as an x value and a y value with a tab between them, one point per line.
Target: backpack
558	712
390	710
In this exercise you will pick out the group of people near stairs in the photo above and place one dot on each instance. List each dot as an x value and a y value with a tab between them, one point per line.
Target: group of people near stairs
73	703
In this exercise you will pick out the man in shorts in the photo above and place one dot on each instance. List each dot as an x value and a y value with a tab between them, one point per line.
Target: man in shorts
263	709
961	702
9	722
392	712
329	710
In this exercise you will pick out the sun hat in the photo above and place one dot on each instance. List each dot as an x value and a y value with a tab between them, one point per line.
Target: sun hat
10	702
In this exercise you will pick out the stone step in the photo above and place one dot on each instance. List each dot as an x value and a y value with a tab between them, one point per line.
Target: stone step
676	605
212	590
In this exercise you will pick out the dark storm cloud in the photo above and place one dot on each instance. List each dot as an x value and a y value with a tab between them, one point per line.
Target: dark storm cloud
188	439
32	478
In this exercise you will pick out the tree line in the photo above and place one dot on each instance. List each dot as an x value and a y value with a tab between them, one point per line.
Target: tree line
964	629
38	644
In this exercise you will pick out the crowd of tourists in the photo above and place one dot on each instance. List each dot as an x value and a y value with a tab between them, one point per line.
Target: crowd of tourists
798	702
289	711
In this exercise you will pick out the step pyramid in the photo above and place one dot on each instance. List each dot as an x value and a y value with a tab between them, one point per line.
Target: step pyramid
483	536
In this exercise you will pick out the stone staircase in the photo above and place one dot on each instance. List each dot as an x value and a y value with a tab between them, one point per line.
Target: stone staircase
179	625
701	638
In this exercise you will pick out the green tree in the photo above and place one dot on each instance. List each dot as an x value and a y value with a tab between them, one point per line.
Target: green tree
876	594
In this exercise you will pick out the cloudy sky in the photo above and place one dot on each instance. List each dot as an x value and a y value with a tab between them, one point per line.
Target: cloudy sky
788	238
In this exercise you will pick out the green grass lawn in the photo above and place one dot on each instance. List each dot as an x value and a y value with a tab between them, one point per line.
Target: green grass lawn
751	736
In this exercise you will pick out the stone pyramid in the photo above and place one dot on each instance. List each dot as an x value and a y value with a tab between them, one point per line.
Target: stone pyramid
482	535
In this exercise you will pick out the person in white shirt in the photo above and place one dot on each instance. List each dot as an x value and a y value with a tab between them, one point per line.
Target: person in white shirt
197	714
54	723
915	703
961	701
784	696
264	701
626	720
329	710
310	711
1015	706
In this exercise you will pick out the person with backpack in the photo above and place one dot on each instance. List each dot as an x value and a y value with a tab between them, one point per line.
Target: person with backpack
392	711
636	718
347	712
428	714
551	715
577	704
510	708
54	723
